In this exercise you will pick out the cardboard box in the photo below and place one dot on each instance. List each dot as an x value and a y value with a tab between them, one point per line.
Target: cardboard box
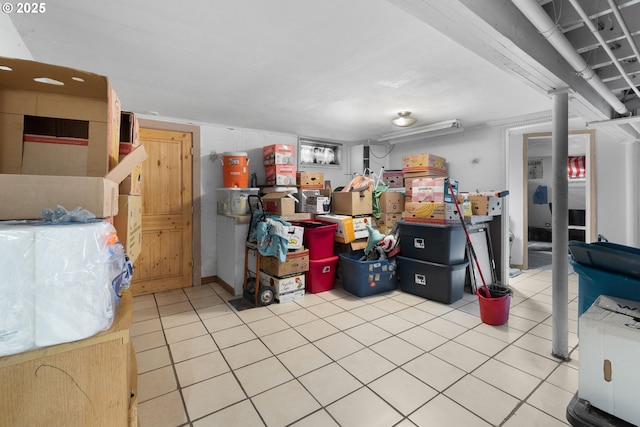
290	296
424	163
310	180
280	175
391	202
345	232
129	140
348	228
485	205
296	234
318	204
409	176
431	212
278	154
296	262
433	189
24	196
128	224
388	220
282	285
56	121
393	178
609	345
352	203
279	203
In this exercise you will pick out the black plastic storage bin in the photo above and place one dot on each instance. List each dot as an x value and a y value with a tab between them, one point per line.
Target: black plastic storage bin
437	282
442	244
364	278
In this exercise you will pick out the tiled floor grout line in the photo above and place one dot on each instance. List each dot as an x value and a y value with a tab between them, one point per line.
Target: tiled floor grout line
339	330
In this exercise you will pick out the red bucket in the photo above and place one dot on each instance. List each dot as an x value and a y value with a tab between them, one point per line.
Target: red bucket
494	310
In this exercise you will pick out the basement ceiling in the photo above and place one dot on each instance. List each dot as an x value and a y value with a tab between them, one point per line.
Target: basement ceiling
326	69
611	30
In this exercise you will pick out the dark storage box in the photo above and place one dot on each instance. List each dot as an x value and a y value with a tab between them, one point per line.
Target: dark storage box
437	282
442	244
364	278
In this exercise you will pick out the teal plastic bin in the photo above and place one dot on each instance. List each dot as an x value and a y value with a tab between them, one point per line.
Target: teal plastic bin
593	282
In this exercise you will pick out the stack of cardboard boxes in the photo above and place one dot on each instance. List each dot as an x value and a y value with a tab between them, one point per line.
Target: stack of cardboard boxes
279	164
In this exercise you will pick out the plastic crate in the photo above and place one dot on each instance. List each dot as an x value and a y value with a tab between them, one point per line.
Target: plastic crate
322	274
593	282
437	282
318	237
442	244
364	278
611	257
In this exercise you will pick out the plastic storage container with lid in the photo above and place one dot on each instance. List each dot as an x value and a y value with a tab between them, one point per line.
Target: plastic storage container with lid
322	274
442	244
318	237
437	282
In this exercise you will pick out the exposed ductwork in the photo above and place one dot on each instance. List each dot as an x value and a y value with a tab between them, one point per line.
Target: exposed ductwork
550	30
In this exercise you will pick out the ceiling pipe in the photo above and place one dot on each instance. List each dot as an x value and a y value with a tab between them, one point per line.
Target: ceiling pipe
545	25
604	44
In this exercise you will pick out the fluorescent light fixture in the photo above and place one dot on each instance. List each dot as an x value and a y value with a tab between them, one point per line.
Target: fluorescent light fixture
428	131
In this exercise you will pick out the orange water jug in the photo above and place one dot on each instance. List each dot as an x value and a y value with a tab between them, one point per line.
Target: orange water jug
235	169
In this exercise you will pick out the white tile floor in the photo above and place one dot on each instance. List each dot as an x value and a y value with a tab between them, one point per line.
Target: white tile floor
332	359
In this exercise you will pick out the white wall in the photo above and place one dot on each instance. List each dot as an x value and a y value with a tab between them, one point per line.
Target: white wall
11	44
475	157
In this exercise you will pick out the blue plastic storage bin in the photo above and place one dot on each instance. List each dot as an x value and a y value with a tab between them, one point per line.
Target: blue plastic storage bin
364	278
593	282
438	282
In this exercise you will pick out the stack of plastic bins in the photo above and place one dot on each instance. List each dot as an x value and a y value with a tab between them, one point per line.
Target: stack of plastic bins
432	262
318	238
365	278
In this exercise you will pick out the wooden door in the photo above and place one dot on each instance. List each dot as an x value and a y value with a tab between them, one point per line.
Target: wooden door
166	260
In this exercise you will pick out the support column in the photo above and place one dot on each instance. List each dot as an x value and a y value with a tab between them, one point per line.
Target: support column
560	225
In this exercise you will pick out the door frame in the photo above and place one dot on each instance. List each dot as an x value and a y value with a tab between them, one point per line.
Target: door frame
590	187
195	186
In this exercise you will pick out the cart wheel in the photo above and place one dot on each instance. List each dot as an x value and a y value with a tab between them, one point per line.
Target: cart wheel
266	295
251	286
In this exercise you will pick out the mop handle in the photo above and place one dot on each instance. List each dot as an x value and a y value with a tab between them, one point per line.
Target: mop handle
469	244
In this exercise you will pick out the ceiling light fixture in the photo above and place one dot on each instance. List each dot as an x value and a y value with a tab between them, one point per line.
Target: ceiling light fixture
428	131
404	119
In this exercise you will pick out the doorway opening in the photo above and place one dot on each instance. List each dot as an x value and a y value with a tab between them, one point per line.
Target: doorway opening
538	191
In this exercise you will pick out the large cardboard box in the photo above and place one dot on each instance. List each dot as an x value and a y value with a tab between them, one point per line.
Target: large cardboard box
391	202
129	140
279	203
485	205
282	285
56	121
128	224
387	220
609	347
431	212
296	262
393	178
433	189
278	154
280	175
424	163
24	196
352	202
310	180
